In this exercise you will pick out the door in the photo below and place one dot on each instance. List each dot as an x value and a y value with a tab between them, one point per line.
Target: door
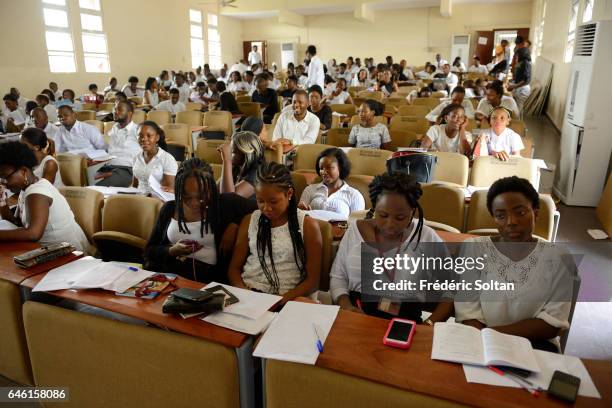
484	47
262	48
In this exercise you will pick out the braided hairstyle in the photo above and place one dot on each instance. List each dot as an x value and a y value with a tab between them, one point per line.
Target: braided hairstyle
279	176
403	184
207	190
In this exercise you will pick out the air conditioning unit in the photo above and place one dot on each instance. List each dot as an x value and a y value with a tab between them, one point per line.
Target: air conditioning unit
586	135
460	48
288	54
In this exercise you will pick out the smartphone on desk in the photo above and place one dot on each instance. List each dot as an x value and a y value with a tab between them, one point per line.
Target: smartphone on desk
192	295
400	333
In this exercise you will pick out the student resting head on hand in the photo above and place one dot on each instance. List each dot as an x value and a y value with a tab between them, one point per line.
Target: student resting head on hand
241	158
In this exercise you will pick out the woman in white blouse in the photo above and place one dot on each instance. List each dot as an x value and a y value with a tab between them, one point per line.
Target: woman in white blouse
450	135
361	79
499	140
332	193
43	214
47	167
339	95
237	84
154	161
151	95
543	275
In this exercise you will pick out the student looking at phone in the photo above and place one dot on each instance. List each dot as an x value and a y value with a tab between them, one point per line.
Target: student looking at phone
194	234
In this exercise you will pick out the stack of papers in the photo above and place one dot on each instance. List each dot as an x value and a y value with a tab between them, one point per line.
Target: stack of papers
326	215
156	190
110	191
293	335
92	273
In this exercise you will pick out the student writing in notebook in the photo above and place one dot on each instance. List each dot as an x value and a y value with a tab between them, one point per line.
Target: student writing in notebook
539	306
279	247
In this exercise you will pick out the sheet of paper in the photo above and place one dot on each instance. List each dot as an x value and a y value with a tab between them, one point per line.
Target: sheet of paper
241	323
110	191
157	189
7	225
131	276
326	215
292	337
93	154
457	343
482	40
64	276
251	304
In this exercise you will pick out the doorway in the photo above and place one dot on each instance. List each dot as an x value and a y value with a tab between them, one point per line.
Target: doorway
486	41
262	48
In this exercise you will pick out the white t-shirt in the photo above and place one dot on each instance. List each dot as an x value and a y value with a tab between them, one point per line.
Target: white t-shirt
61	225
299	132
254	58
435	112
344	201
39	170
481	69
443	143
162	163
168	106
128	91
123	144
508	141
239	86
338	100
508	102
81	136
452	81
369	137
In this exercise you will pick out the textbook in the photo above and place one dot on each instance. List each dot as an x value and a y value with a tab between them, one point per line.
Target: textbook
459	343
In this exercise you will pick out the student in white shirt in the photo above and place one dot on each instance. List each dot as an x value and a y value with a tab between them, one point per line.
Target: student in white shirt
458	65
393	226
316	75
237	84
111	87
200	94
297	126
494	98
13	115
343	73
223	75
21	101
182	87
369	133
333	193
499	140
40	120
55	89
458	98
361	79
154	161
43	102
478	68
254	56
47	167
151	93
172	105
164	80
440	62
43	214
68	99
131	88
451	79
538	308
426	73
76	135
450	135
241	67
301	77
339	95
123	145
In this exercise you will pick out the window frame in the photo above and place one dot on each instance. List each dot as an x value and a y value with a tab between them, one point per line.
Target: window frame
571	31
90	56
215	61
196	42
54	53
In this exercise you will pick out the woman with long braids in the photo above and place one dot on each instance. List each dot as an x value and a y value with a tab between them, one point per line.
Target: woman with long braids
195	233
278	249
393	226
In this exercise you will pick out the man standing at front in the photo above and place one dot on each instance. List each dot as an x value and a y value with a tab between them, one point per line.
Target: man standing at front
254	56
316	75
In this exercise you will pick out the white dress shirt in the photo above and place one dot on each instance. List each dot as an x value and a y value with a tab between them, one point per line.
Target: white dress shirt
481	69
239	86
435	112
507	102
344	201
167	105
316	76
51	131
254	58
162	163
123	144
452	81
302	132
81	136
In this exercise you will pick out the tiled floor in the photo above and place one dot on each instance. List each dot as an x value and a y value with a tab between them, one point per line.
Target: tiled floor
591	332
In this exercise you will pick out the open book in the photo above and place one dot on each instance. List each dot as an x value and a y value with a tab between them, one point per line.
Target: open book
459	343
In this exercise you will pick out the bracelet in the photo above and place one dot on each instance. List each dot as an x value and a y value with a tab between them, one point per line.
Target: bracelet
428	322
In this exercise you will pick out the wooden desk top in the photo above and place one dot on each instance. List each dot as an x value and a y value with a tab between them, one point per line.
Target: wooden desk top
150	310
354	347
9	271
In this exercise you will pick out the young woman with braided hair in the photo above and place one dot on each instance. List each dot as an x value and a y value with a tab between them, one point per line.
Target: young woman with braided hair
394	226
194	234
278	249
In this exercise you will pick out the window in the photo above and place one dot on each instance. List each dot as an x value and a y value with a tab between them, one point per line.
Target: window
587	14
539	31
95	50
60	48
214	42
571	34
197	40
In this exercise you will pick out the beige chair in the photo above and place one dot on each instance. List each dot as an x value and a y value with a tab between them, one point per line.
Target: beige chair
216	168
327	253
357	101
86	115
413	110
179	134
243	98
362	184
376	95
106	106
438	94
160	117
451	168
86	205
487	169
14	356
369	162
356	89
127	222
519	127
396	101
273	155
136	100
97	124
194	106
191	118
139	116
480	221
344	109
401	138
443	206
306	156
604	207
299	183
207	150
355	120
73	169
250	109
107	363
88	106
429	103
219	121
409	123
338	137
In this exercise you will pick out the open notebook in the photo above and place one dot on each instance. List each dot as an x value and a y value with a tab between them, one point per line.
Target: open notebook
459	343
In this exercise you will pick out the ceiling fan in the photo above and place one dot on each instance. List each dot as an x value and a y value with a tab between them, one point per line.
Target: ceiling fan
221	3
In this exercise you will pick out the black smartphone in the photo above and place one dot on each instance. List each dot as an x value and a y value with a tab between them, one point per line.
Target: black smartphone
230	298
192	295
564	386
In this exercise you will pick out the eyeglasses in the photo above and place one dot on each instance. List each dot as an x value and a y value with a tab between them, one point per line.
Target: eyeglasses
4	180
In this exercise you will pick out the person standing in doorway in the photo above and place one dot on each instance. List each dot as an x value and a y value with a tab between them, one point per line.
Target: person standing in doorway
254	56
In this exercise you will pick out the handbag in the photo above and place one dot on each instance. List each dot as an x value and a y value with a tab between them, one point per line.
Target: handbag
421	165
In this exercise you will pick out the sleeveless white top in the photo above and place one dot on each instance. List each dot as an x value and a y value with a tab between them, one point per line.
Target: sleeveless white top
208	253
38	171
284	259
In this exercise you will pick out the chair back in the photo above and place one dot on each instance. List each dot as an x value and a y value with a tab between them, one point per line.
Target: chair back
299	183
86	205
192	118
452	168
84	115
519	127
243	98
194	106
250	109
306	156
338	137
344	109
444	205
106	106
136	100
326	253
401	138
73	169
413	110
376	95
362	184
487	169
409	123
273	155
178	133
139	116
369	162
218	121
134	215
160	117
430	103
604	207
207	150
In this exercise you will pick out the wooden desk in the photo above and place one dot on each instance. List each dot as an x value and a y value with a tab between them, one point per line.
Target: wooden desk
9	271
354	347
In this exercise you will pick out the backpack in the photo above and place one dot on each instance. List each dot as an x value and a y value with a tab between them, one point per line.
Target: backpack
421	165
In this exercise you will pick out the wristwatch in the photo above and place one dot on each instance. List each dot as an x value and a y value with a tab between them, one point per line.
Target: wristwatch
429	322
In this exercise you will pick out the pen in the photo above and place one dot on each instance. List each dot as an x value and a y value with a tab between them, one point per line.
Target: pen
318	342
133	268
520	378
532	391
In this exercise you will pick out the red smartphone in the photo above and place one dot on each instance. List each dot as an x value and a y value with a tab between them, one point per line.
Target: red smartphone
399	333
